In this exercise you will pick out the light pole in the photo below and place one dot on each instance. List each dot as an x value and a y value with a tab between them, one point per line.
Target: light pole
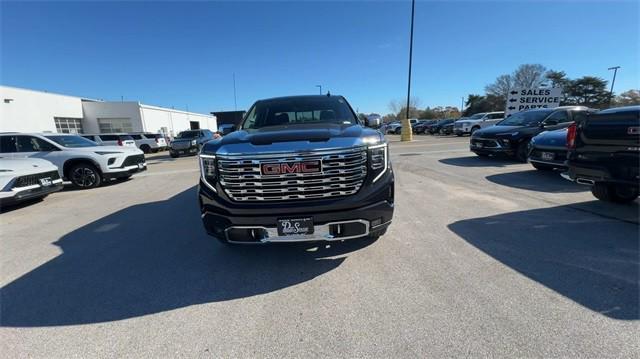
461	106
615	71
235	102
407	134
320	87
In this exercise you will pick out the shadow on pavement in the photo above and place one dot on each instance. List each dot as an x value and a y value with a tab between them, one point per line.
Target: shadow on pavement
535	180
477	161
150	258
589	259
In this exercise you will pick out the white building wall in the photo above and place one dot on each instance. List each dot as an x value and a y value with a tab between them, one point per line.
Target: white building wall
156	119
96	110
25	110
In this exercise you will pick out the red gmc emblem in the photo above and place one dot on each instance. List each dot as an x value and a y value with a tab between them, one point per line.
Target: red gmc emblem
281	168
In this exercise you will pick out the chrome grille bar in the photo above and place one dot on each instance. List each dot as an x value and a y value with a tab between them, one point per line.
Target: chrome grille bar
342	174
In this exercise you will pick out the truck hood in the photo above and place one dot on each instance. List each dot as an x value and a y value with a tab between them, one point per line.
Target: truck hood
293	138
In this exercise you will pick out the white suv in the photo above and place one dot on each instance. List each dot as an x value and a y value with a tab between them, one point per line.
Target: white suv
23	179
79	160
149	142
476	122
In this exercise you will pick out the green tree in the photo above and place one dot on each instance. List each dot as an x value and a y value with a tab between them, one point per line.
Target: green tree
587	91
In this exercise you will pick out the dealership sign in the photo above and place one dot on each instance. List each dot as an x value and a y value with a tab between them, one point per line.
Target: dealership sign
524	99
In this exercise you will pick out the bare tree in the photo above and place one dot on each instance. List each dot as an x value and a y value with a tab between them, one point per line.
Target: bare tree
529	76
500	87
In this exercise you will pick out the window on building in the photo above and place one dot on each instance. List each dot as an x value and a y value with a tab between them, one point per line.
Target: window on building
68	125
114	125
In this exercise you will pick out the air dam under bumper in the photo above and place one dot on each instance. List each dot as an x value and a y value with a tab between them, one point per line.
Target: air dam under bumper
369	212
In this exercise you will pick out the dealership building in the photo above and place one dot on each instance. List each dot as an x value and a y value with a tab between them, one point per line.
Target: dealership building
26	110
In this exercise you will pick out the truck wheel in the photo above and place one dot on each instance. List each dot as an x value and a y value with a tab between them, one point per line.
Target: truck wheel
145	148
85	175
459	134
474	129
521	152
398	131
614	193
173	154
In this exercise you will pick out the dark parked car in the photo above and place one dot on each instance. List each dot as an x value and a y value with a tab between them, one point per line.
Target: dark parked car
421	126
512	135
435	128
548	150
604	153
189	142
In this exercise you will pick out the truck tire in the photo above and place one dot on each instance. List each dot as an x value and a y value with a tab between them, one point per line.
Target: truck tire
173	154
145	148
614	193
398	131
474	129
84	175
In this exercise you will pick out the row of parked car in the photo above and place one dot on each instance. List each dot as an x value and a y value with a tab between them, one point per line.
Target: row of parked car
33	165
596	148
448	126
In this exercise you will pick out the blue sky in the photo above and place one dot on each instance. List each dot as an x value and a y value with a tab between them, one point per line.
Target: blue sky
184	54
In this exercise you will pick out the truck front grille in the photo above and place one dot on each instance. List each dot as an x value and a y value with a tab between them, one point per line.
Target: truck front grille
341	174
30	180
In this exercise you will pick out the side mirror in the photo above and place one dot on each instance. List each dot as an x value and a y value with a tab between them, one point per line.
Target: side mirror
366	122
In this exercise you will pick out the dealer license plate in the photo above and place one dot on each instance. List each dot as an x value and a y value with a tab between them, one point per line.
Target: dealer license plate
45	182
294	227
548	156
140	166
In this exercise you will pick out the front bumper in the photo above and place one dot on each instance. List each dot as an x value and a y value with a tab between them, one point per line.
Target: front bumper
368	212
126	172
27	193
490	146
191	150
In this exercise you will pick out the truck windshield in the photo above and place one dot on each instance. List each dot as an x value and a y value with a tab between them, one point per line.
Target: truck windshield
71	141
477	116
527	118
188	134
298	111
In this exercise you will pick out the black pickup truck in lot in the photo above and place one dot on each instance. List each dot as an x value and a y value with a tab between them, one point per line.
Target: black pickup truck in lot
604	153
300	168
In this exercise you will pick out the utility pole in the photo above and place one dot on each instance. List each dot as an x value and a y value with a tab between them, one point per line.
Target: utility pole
235	103
320	86
407	134
462	106
615	71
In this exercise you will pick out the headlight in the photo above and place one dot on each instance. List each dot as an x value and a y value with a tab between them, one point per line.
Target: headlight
193	142
208	170
378	160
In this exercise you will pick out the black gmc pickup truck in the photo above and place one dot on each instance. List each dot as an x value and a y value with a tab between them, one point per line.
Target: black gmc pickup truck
604	153
297	169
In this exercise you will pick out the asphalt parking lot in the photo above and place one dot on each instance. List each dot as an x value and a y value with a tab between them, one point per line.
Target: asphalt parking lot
486	257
